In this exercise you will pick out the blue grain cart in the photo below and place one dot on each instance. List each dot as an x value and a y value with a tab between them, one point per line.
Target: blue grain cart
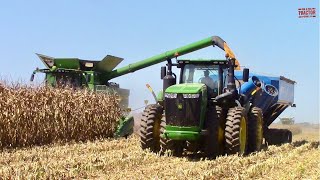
272	94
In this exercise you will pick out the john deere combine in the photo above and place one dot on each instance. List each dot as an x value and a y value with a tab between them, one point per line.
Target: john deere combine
93	75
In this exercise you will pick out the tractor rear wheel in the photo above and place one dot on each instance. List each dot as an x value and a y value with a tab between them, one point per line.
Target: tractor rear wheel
214	124
236	131
169	145
150	127
255	130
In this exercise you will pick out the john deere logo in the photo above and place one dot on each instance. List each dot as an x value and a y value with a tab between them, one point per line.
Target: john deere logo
179	106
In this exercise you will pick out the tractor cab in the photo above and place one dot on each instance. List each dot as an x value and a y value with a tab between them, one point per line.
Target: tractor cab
211	72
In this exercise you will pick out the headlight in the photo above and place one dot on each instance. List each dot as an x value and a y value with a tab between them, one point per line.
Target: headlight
170	95
191	95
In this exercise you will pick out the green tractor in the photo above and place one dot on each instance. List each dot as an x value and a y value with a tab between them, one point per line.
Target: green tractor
205	112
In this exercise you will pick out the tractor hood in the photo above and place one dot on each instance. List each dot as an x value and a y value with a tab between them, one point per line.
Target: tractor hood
192	88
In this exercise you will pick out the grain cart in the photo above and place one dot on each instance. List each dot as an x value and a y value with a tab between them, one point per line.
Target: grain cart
277	95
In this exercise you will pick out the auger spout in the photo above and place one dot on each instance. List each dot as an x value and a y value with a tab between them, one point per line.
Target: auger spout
214	40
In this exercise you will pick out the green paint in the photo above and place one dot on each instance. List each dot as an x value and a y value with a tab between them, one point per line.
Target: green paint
67	63
192	88
160	96
188	133
182	133
125	127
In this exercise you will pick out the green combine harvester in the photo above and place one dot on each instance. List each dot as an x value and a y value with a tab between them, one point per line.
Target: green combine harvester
287	120
93	75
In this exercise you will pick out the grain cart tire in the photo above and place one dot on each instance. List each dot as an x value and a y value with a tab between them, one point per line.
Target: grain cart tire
290	137
215	125
274	136
236	131
278	136
169	145
150	127
287	136
255	130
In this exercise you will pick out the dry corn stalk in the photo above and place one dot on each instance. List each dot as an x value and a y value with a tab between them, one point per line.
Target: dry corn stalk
42	115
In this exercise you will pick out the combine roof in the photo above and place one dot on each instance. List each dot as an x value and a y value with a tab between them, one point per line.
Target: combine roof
107	64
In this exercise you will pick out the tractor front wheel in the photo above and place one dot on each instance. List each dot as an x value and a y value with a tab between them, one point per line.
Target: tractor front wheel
169	145
236	131
214	124
255	127
150	127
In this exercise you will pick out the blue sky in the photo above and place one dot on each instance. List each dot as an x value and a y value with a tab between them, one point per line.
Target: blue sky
266	36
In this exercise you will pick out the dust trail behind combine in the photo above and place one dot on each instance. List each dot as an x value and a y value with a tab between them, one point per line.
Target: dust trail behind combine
117	159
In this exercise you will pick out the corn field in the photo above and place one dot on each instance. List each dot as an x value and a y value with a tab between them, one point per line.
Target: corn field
42	115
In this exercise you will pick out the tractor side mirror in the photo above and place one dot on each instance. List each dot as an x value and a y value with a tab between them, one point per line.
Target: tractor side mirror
32	77
245	76
163	71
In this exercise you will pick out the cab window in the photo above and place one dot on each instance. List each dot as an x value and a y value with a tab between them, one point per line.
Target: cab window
206	74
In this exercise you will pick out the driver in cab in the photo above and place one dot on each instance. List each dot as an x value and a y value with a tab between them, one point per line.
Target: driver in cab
207	80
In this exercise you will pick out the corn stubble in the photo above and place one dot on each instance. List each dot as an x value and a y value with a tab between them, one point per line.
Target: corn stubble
124	159
42	115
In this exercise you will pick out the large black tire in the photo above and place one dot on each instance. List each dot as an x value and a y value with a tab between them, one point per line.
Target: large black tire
274	137
214	124
286	136
150	127
169	145
278	136
289	136
255	130
236	131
